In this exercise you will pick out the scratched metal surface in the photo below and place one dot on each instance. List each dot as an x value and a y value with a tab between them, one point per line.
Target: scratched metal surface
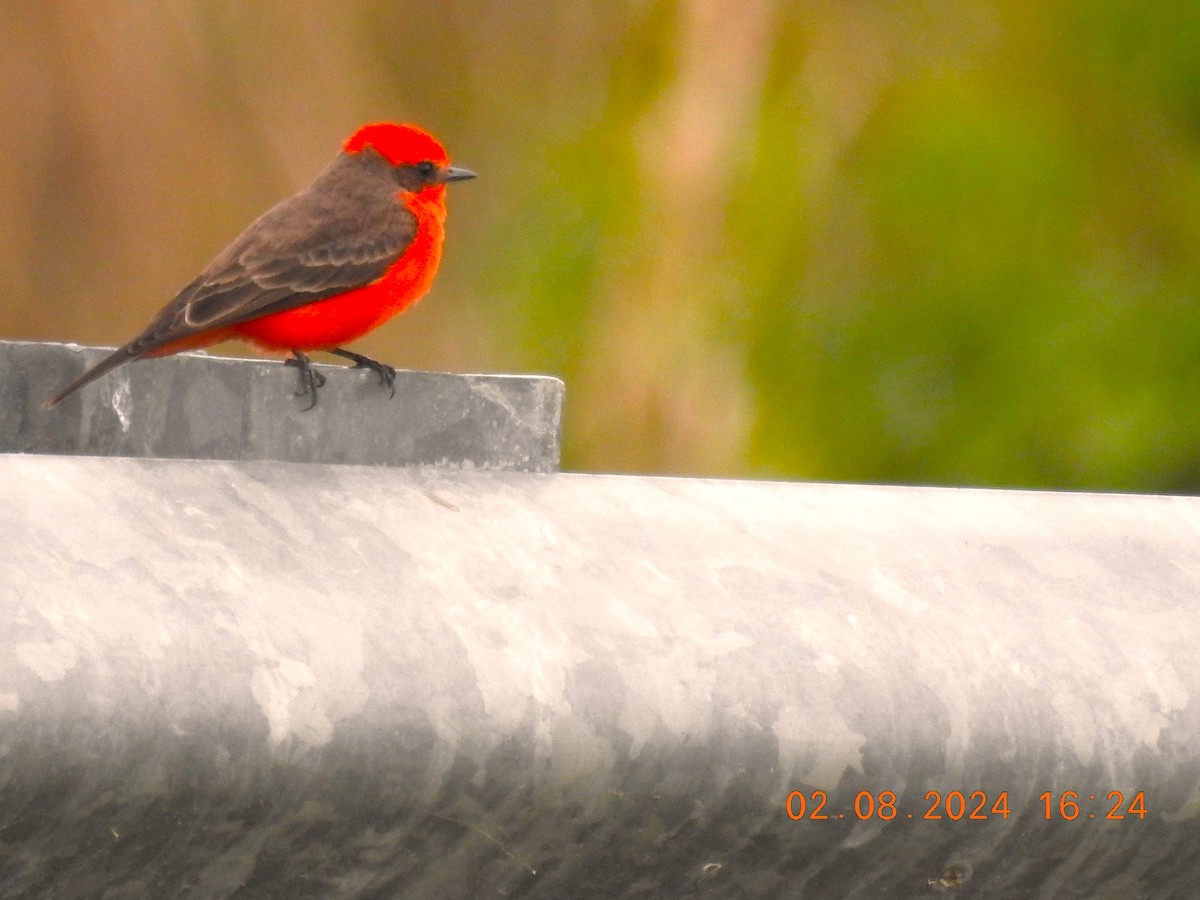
196	406
229	679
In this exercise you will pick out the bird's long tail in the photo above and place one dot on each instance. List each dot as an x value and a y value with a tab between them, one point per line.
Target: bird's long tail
118	357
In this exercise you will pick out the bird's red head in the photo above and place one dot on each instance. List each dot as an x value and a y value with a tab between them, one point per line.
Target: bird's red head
400	145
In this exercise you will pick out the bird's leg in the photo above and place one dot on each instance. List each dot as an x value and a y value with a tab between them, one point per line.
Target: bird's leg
387	375
310	378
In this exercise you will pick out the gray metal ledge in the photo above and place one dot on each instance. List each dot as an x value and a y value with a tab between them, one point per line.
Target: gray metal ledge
196	406
268	680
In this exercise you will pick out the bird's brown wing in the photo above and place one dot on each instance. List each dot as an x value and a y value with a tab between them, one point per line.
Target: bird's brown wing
342	232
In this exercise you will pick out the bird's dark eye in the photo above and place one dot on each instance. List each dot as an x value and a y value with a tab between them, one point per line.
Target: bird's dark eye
426	170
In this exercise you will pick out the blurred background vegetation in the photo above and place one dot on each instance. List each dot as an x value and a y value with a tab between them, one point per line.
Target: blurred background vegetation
950	242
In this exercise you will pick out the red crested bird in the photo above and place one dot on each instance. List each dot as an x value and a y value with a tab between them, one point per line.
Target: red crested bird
324	267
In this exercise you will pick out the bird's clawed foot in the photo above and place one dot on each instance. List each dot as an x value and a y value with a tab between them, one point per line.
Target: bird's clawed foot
387	374
310	379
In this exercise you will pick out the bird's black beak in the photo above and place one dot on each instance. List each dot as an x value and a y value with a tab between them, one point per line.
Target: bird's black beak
454	173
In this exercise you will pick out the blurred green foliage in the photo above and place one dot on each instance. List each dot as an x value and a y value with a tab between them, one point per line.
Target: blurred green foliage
923	242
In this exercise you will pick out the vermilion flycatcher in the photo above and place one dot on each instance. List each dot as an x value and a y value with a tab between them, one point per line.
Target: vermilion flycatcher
357	246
